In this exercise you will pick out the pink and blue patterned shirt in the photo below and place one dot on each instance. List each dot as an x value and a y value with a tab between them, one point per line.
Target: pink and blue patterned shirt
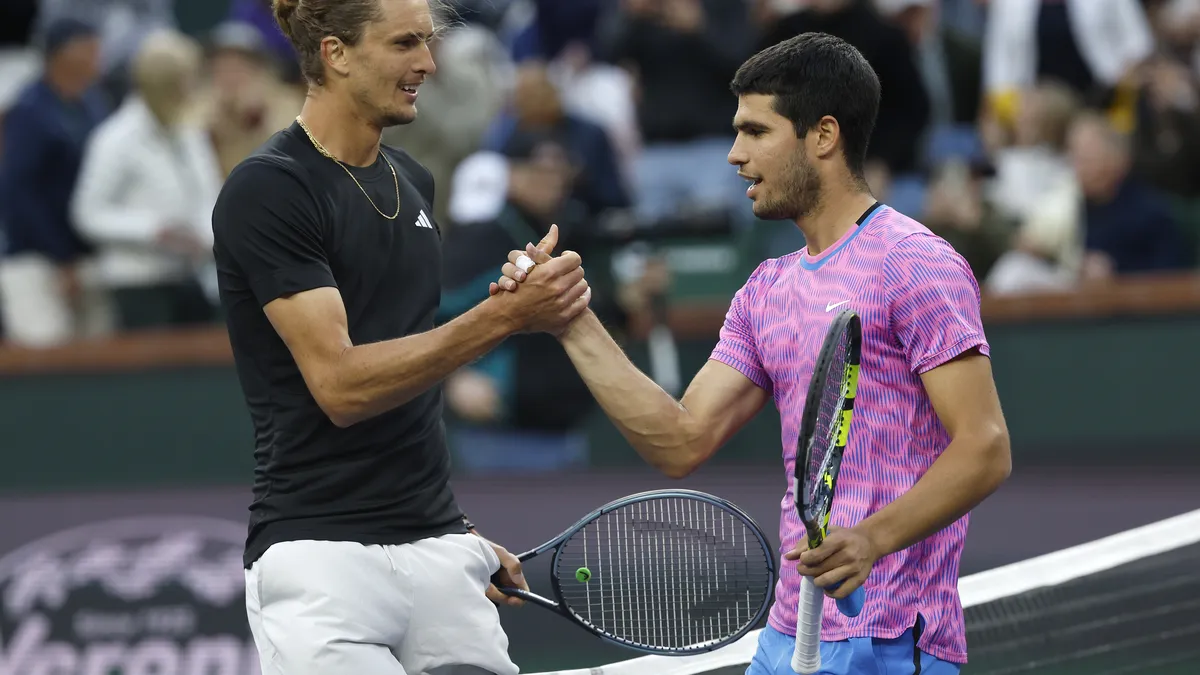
919	305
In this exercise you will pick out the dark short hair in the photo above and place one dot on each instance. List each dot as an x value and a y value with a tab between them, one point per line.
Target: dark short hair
813	75
62	32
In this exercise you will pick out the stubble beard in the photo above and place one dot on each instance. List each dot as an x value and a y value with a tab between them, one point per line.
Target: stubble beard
799	192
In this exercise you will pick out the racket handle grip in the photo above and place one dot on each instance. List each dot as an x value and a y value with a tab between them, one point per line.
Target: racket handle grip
806	659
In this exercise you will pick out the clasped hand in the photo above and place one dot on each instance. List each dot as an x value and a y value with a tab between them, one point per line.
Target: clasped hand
845	556
554	292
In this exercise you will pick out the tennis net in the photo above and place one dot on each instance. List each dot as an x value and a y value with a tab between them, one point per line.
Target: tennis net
1128	603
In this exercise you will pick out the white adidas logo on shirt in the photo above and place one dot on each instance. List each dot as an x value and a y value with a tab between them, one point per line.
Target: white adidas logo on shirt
423	220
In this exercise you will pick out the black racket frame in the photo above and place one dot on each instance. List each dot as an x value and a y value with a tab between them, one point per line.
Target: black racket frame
557	544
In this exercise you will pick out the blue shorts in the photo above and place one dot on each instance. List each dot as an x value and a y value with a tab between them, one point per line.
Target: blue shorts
856	656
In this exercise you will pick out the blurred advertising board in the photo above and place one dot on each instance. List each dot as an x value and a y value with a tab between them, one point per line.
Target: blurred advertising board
123	585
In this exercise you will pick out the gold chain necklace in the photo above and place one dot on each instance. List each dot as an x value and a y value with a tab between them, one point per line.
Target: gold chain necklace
323	151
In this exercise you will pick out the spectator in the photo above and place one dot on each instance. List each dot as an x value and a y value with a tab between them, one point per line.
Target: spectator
1177	24
1036	186
1046	249
247	101
1129	227
1032	160
683	54
949	60
556	26
904	107
958	211
147	190
122	25
603	94
46	295
1167	135
1091	46
258	13
537	107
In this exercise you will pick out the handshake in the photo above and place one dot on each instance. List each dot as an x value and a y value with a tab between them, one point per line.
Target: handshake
537	293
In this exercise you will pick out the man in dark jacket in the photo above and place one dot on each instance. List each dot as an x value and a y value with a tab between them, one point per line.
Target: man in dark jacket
683	53
45	132
1128	225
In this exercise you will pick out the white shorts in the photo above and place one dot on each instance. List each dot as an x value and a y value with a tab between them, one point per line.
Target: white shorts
341	608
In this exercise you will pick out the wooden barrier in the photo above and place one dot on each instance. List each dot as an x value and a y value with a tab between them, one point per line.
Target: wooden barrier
207	346
1150	295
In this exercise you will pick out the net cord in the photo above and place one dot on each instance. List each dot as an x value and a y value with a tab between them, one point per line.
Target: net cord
1021	577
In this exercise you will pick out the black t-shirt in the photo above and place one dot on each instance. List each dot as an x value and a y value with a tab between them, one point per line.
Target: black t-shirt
289	220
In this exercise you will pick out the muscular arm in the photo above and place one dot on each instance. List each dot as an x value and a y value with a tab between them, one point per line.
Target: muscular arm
673	436
972	467
352	382
932	313
270	239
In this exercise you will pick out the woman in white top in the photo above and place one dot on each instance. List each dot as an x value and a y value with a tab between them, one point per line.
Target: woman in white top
146	193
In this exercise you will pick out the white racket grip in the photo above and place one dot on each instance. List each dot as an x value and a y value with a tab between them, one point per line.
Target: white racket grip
806	660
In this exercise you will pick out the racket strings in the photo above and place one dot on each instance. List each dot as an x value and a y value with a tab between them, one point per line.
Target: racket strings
828	427
671	573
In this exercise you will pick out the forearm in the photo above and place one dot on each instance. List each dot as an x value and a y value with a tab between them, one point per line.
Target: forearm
969	470
660	428
371	379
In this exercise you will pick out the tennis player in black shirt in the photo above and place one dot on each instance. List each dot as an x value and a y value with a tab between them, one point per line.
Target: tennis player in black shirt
358	560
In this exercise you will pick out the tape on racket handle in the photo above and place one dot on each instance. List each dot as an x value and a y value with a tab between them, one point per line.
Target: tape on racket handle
806	659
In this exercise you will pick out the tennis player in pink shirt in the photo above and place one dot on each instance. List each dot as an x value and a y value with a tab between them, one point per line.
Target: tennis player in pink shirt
929	440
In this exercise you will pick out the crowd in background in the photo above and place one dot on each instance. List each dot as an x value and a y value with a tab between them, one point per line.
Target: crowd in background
1054	143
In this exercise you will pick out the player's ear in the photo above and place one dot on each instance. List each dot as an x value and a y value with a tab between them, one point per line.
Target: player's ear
336	55
824	137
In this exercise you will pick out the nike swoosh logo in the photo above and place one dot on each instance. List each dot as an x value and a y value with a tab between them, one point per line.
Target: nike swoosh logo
830	307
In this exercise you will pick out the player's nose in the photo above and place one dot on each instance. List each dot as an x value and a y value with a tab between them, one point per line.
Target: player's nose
737	156
425	64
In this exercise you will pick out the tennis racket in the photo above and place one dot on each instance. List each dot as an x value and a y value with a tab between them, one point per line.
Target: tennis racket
671	572
824	432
